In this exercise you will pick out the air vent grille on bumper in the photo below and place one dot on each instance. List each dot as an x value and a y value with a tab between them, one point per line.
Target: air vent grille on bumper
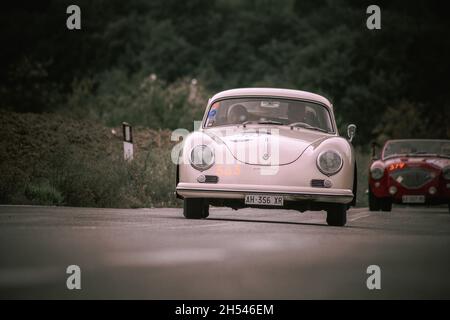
207	179
318	183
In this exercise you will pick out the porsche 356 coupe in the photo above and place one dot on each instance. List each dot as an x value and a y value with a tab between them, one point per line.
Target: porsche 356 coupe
410	171
268	148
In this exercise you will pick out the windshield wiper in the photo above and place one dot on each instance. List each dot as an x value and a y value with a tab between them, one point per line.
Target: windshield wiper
318	129
262	122
270	122
299	124
306	126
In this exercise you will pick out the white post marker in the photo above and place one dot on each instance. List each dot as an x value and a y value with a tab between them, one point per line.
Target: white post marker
127	141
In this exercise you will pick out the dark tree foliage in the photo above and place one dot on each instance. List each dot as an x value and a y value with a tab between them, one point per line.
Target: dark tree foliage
321	46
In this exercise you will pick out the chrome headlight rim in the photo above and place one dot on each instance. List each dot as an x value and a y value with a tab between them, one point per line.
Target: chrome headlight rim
377	169
446	173
329	172
198	167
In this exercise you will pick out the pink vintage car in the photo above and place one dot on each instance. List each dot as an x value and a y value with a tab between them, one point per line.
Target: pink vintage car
268	148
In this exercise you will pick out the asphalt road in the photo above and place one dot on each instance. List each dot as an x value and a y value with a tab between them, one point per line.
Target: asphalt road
245	254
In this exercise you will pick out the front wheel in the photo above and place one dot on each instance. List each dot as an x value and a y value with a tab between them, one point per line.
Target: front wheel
195	208
374	202
337	215
386	204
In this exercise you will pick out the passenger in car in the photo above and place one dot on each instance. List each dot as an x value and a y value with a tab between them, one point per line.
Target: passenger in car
296	113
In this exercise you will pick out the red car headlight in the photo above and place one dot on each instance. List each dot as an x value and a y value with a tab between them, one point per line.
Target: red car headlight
377	173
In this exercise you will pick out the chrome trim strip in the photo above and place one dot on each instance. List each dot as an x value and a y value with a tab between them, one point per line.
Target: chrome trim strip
240	194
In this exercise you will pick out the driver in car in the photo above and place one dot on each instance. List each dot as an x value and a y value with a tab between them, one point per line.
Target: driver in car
237	114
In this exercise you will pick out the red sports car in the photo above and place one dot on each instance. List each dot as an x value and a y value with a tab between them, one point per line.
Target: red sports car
412	171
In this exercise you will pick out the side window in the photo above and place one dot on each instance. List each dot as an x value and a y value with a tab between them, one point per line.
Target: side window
212	114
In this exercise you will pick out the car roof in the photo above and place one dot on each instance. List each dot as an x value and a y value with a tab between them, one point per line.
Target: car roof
272	92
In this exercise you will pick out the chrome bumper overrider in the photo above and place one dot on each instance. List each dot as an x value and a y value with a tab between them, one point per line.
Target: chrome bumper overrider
238	191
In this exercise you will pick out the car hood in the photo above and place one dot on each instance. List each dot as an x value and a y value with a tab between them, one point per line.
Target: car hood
266	145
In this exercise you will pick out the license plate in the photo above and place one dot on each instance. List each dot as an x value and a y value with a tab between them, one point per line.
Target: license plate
263	200
413	199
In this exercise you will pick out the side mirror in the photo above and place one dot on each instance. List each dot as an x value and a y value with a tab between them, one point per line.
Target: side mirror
351	131
374	151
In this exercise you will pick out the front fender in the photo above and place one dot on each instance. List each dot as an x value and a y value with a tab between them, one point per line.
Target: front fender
345	177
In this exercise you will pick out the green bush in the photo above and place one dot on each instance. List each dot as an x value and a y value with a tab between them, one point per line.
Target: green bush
52	160
12	183
43	193
114	97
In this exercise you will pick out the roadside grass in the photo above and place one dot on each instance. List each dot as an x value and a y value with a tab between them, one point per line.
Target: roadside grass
51	159
43	193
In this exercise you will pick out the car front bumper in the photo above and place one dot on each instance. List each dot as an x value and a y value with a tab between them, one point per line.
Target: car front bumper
238	191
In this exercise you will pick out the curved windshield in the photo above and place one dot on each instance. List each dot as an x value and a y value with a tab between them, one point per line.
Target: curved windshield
273	111
417	148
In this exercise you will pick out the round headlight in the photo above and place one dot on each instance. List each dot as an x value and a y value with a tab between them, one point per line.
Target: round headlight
377	173
202	157
329	162
446	173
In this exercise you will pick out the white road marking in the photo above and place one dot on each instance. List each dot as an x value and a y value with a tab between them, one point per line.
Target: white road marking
314	221
359	216
358	210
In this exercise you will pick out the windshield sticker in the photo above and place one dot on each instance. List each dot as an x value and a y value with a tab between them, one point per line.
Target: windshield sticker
212	114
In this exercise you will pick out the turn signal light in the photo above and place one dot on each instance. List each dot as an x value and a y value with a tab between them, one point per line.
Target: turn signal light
392	190
432	190
395	166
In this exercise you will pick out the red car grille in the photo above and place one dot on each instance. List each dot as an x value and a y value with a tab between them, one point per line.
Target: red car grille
412	178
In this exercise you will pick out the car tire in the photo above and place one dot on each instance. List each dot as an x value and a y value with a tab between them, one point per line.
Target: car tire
195	208
386	204
337	215
374	202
